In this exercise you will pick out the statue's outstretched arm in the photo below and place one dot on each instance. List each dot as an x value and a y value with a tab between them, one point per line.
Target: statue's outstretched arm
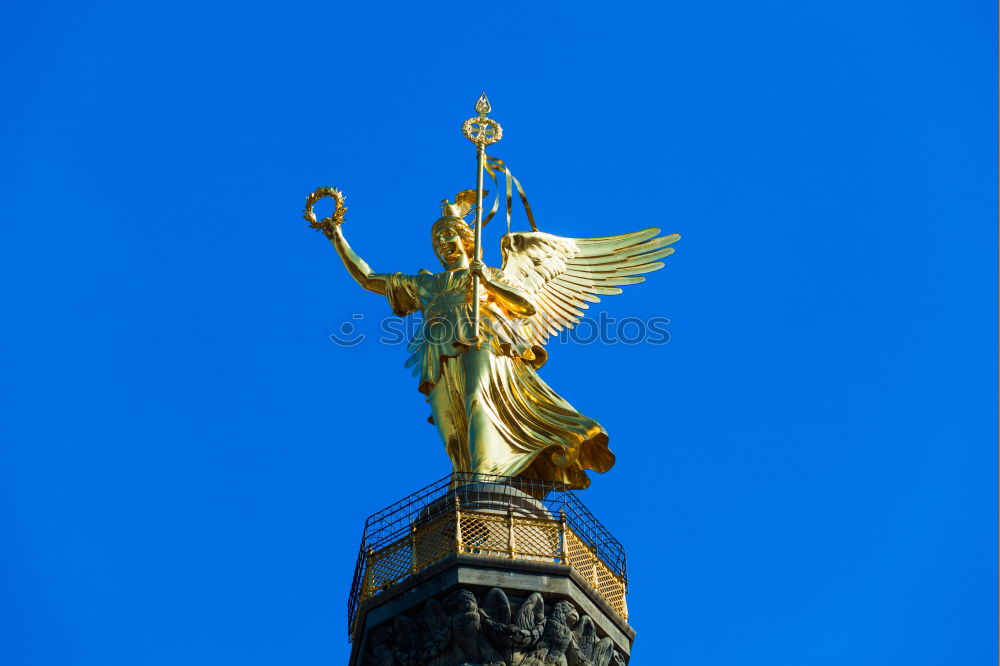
356	266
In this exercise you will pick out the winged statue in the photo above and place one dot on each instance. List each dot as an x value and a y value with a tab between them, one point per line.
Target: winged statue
480	374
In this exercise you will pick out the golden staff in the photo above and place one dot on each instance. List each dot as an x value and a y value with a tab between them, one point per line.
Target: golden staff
483	132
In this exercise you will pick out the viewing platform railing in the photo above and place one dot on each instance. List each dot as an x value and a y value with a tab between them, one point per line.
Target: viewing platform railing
489	516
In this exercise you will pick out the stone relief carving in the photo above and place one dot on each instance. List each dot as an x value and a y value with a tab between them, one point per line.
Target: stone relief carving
461	630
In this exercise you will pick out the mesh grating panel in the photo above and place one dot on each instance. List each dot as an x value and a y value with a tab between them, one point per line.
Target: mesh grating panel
433	541
579	556
485	534
537	540
388	566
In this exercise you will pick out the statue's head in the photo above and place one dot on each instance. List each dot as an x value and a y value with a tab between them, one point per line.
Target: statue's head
453	239
454	242
566	612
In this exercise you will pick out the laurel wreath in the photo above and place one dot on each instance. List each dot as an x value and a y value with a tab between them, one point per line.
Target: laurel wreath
326	224
480	137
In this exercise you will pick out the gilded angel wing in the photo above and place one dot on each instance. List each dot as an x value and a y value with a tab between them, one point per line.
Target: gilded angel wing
563	275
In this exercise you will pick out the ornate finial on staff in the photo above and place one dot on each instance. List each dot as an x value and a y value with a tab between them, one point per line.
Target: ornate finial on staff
483	132
483	105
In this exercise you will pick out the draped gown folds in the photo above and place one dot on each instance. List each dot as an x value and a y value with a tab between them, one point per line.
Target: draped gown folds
494	413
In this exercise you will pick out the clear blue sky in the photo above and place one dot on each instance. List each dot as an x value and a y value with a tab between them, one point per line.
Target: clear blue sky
806	472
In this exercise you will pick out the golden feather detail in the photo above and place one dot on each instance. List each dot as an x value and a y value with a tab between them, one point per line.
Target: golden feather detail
563	276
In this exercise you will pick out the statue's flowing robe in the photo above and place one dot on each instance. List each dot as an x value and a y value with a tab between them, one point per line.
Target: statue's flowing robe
494	413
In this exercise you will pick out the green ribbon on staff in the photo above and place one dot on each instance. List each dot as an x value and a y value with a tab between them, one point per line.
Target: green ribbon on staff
494	166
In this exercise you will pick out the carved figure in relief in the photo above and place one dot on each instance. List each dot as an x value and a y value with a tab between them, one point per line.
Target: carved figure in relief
460	632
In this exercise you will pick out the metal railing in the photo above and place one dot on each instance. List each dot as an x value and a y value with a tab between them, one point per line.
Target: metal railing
489	516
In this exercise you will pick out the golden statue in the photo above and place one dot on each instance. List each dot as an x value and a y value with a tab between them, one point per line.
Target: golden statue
481	340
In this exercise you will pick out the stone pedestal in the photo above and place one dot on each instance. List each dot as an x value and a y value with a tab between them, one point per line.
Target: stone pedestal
469	609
